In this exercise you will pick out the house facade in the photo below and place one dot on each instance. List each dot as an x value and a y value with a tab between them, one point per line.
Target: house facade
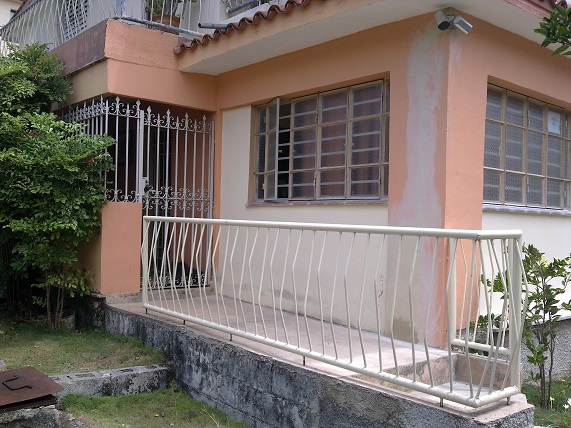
354	112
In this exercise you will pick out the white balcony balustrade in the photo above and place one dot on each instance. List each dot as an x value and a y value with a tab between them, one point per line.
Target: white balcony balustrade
401	306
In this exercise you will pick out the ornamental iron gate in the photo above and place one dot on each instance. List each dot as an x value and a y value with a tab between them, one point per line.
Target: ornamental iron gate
164	159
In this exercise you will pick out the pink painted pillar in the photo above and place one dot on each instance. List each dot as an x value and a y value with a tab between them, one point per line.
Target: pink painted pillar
429	161
115	255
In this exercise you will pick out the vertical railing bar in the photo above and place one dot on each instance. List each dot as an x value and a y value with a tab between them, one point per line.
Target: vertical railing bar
195	143
510	263
216	232
242	277
451	305
363	282
264	258
203	157
431	286
202	276
115	182
187	280
127	134
307	290
185	167
469	317
193	256
410	308
223	277
346	293
283	285
463	307
232	276
197	258
272	282
392	314
336	268
145	261
489	332
504	277
377	297
319	294
252	279
296	311
176	178
176	257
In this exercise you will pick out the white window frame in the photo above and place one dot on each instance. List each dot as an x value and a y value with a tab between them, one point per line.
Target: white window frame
533	182
276	166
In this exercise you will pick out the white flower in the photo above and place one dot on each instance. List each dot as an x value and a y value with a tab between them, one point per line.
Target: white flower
566	406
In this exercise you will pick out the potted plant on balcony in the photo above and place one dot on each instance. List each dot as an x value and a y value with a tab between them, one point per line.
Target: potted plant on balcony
167	12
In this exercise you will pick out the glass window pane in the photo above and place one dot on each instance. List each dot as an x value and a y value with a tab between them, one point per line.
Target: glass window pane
534	191
494	105
534	153
554	193
261	154
334	107
493	145
305	113
554	157
367	101
514	188
333	145
332	183
535	116
271	151
302	186
365	182
514	110
261	120
491	186
514	149
271	186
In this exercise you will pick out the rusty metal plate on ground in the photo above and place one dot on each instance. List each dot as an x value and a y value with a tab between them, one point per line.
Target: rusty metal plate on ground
26	387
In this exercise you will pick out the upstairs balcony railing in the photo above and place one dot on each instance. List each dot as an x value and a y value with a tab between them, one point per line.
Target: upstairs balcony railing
56	21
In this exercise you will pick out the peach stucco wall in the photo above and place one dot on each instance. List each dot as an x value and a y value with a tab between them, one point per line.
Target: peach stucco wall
438	100
114	256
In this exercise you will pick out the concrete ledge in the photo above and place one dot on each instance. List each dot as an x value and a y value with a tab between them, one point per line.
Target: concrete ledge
263	391
131	380
43	417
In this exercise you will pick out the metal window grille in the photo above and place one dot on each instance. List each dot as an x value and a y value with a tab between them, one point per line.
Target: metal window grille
332	145
526	153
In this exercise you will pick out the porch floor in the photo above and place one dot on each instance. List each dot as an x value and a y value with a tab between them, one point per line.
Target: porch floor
249	317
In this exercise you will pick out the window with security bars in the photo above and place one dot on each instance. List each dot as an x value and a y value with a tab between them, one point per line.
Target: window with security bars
333	145
526	154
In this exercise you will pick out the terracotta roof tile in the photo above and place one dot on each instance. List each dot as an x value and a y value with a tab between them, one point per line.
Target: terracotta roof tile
267	15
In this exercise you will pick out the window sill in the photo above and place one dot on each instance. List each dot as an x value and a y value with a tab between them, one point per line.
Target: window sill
328	202
525	210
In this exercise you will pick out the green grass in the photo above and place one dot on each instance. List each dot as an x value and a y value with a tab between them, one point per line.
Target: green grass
163	408
59	352
557	415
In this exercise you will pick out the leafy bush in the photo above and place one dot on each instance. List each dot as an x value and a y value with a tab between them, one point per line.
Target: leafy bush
556	29
52	182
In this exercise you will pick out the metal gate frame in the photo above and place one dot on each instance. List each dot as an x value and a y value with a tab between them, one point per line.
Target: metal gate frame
164	161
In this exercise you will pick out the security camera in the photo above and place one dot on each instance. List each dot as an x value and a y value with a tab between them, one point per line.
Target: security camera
461	24
450	22
443	21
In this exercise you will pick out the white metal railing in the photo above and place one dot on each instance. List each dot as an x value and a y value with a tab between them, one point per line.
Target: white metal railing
374	300
56	21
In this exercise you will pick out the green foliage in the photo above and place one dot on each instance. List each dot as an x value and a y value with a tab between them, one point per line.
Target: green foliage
556	29
31	80
52	183
547	281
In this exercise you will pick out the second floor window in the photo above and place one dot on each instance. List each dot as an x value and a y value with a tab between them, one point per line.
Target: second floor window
334	145
526	154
